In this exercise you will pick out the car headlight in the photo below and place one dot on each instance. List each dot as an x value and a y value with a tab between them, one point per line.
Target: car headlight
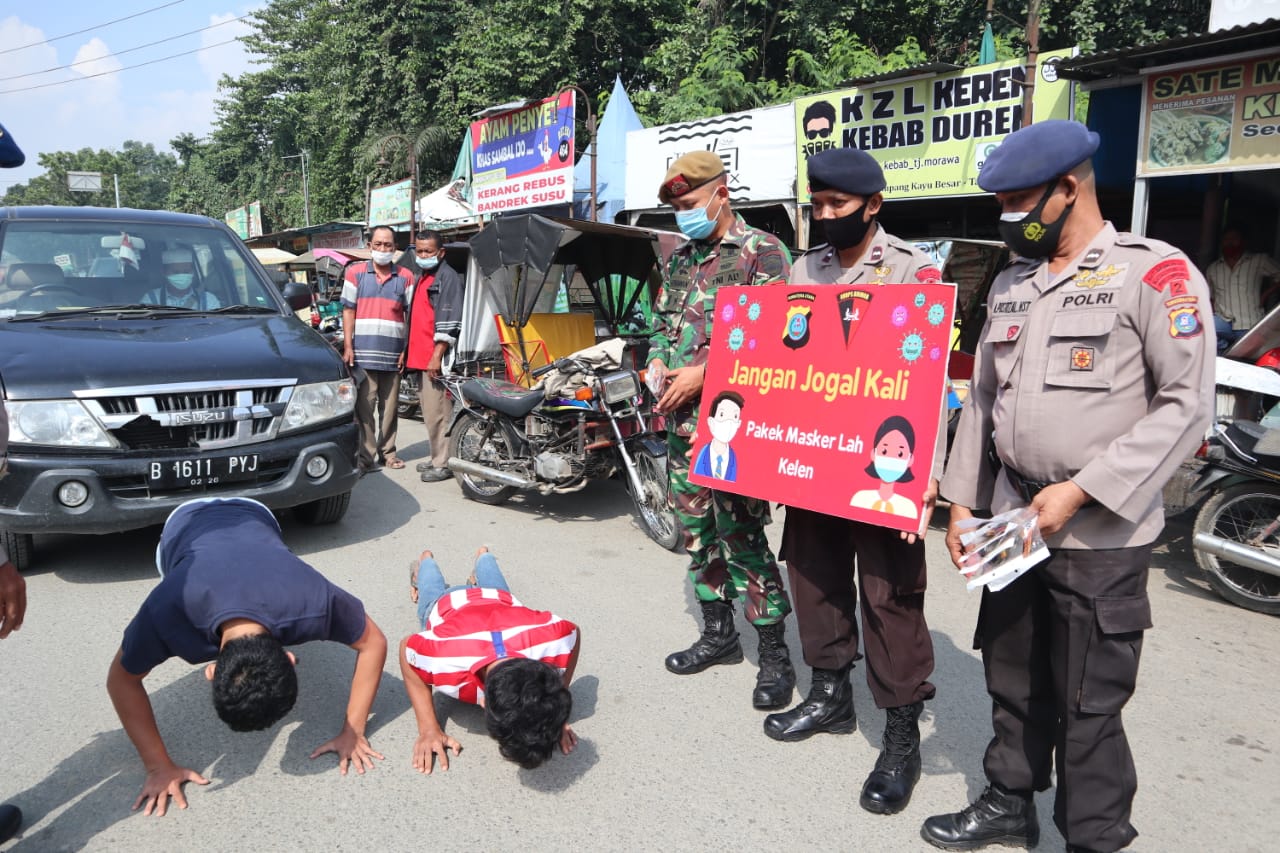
61	423
319	402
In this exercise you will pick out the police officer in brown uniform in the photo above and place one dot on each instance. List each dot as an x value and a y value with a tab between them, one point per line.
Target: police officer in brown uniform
822	551
1095	373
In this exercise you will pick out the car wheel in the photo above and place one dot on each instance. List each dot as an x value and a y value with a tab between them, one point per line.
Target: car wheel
20	547
328	510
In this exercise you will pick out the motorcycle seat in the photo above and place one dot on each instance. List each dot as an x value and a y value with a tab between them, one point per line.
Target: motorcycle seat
510	399
1256	440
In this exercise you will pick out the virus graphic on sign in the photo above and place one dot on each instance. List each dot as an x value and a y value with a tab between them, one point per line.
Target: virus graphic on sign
726	313
899	316
935	353
736	338
912	347
919	300
936	314
742	299
753	313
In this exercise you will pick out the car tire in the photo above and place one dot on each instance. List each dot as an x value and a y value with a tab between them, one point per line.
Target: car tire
328	510
20	547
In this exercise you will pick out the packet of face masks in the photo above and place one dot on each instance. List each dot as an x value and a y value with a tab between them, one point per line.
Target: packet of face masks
654	377
998	550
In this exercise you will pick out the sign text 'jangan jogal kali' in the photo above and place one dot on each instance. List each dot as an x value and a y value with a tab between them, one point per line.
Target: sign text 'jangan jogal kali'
826	397
524	158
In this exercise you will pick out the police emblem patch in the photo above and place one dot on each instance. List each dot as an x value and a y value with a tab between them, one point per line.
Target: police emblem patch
1011	333
1184	322
678	186
877	252
1167	274
1082	358
929	275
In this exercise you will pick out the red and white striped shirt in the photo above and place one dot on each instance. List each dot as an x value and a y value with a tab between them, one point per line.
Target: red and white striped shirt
471	628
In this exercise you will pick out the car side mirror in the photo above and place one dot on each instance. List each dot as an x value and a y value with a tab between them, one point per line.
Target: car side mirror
298	295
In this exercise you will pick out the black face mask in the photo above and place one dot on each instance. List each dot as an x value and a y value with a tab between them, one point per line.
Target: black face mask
1030	237
845	232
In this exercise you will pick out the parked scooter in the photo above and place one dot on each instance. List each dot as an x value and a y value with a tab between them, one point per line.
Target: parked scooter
593	425
1237	531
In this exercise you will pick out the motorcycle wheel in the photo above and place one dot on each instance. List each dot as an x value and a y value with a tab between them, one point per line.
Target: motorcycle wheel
653	506
1240	514
407	405
468	443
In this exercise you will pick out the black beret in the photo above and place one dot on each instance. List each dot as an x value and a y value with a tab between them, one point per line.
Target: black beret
11	156
849	170
1037	154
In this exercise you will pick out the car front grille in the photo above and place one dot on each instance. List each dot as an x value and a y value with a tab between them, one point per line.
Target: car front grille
191	415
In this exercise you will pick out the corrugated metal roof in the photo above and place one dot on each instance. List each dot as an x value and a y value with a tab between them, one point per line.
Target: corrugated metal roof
1125	61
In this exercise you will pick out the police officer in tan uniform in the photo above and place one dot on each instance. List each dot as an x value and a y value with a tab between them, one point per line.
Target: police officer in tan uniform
822	551
1095	373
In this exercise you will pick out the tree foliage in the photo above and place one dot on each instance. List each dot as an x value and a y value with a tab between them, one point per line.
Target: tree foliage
145	175
359	84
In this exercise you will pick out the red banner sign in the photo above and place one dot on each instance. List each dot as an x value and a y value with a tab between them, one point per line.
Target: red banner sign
827	397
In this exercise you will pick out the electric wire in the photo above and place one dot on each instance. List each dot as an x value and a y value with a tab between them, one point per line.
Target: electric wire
118	70
95	27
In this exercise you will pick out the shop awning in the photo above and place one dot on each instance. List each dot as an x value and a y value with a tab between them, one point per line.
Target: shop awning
273	257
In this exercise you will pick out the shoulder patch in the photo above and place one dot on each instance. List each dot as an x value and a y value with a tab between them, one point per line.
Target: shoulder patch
1167	274
877	253
929	275
771	262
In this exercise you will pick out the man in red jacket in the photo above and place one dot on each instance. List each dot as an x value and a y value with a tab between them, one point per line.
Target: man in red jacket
435	321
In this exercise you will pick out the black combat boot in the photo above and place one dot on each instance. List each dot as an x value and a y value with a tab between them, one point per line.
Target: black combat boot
888	788
999	816
777	677
718	643
827	708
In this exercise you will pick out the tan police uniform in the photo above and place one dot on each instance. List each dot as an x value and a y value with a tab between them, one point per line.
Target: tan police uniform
822	551
1102	374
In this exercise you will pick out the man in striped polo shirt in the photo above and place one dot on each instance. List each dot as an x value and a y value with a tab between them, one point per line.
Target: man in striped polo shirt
1239	281
479	644
374	299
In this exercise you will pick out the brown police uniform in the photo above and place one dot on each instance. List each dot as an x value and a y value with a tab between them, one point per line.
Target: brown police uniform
1103	374
822	551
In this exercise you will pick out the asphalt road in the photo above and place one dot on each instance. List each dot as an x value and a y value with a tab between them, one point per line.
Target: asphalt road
664	762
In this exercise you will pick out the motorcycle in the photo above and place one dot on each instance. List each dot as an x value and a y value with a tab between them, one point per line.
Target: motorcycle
588	420
1237	530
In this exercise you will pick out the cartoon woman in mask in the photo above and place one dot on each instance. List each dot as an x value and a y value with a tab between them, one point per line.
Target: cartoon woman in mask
891	458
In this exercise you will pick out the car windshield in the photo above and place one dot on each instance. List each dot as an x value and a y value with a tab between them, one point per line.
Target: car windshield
74	266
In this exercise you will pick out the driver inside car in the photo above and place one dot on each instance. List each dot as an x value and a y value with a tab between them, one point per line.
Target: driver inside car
178	289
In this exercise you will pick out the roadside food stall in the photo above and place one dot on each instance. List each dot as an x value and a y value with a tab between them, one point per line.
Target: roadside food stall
1194	123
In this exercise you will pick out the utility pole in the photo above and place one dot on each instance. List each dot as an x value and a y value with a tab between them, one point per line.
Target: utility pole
595	144
306	189
1033	55
116	178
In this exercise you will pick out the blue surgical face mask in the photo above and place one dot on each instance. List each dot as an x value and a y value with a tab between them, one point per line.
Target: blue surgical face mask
890	468
427	263
696	224
180	280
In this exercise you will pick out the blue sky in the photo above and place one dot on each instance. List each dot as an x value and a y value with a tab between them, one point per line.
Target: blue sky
152	104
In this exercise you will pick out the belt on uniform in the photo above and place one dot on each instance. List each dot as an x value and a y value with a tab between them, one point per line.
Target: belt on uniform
1024	486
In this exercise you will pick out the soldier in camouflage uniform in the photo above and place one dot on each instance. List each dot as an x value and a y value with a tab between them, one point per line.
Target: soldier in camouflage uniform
724	533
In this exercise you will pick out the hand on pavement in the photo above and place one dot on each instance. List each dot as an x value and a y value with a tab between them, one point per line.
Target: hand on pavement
568	740
430	746
351	748
163	783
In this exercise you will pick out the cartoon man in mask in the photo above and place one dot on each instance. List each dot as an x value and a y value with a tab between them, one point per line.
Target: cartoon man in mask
717	459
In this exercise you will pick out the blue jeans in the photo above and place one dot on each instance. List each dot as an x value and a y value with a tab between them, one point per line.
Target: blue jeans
431	583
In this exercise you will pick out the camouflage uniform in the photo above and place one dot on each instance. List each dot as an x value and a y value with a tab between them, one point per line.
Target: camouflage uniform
724	533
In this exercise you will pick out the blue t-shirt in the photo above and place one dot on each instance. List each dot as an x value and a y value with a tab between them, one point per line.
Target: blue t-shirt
225	560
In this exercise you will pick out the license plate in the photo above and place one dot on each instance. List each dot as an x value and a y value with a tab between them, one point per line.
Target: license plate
203	472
